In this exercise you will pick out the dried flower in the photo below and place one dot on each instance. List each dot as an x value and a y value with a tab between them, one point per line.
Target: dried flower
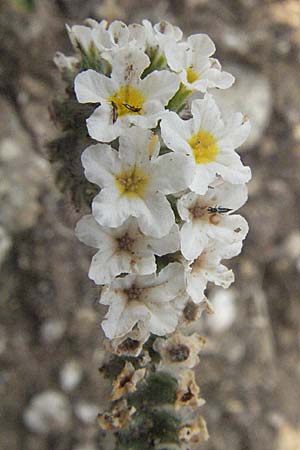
194	433
179	351
188	391
118	418
126	381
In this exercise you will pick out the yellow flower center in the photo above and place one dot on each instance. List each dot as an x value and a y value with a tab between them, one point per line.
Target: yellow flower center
204	146
127	100
191	75
132	183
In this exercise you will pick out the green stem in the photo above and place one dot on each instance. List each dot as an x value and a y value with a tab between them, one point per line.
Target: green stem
178	102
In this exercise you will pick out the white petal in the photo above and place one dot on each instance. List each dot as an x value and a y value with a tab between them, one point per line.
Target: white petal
201	44
176	55
204	176
137	35
175	133
134	145
219	79
206	114
158	218
229	251
128	64
196	285
168	285
100	124
235	132
100	162
167	244
119	32
91	233
166	29
231	169
231	229
150	118
101	37
219	274
230	195
163	319
143	265
122	317
185	203
63	62
107	264
161	86
80	34
111	210
172	173
193	240
92	87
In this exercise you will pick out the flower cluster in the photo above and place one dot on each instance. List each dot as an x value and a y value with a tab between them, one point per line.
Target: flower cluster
170	181
168	185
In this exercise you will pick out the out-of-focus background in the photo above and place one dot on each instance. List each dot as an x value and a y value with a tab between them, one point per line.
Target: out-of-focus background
50	341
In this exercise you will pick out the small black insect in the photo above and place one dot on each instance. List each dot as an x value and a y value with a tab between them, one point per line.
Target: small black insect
132	108
114	112
218	210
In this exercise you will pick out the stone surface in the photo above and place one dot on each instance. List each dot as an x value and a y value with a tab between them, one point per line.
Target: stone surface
251	94
23	174
86	412
5	244
225	311
47	412
70	375
52	330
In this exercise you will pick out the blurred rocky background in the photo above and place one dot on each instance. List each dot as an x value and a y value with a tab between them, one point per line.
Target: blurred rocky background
50	341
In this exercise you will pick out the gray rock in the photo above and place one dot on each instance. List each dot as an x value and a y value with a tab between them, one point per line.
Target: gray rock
23	174
251	94
86	412
5	244
49	411
70	375
225	310
52	330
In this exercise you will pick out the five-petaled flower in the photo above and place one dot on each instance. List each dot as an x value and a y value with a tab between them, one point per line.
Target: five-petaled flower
156	300
209	217
135	181
210	143
125	98
192	61
207	267
124	249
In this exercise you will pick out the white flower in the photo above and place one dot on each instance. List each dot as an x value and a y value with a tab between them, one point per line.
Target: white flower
117	35
124	249
135	181
148	298
192	61
209	217
65	63
159	35
208	267
81	37
125	98
209	142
